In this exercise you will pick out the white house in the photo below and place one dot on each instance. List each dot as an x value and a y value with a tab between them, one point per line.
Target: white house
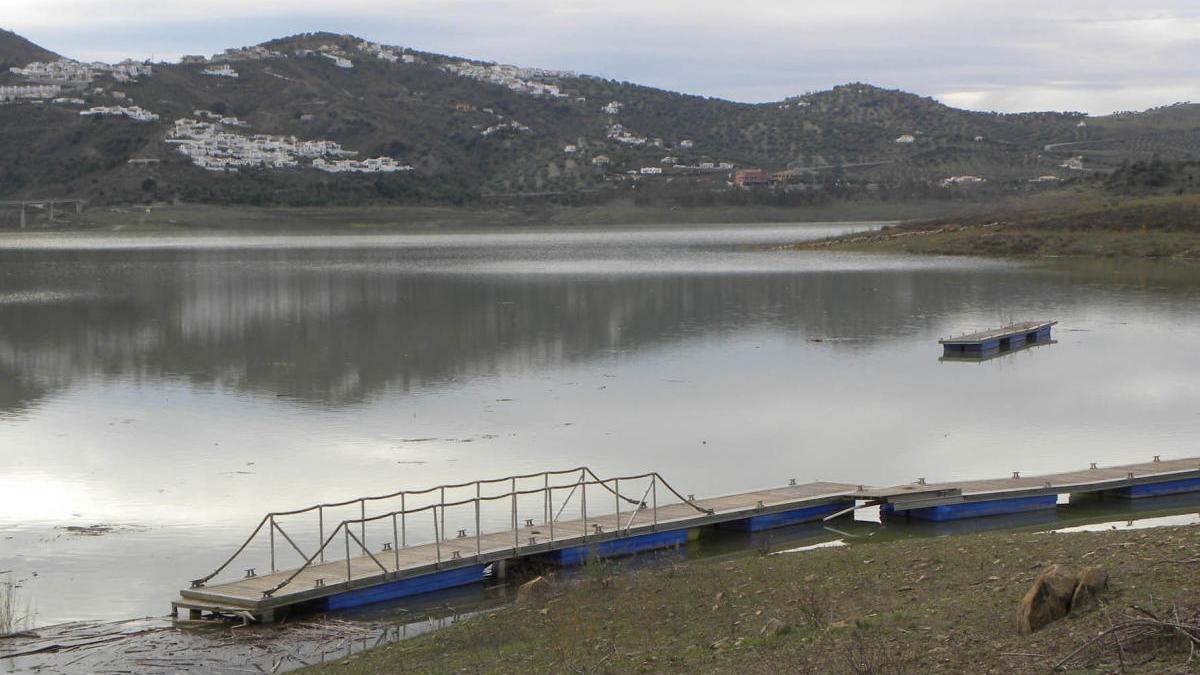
223	70
651	170
906	138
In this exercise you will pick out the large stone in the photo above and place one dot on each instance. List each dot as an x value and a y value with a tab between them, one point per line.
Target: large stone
1048	600
533	592
775	627
1092	582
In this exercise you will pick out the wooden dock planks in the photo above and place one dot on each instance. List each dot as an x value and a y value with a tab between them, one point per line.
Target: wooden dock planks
1087	480
982	336
365	571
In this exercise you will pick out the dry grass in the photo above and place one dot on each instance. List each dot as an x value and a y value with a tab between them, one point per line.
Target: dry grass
945	605
15	617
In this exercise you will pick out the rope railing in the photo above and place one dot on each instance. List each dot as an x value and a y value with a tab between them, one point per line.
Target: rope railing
400	533
347	526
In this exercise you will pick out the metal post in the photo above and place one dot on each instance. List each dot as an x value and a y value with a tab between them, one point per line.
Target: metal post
442	503
272	544
583	508
321	530
403	522
617	495
547	495
478	543
395	543
362	510
654	499
516	533
346	532
437	537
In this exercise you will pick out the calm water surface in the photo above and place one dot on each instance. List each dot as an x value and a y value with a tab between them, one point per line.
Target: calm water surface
176	389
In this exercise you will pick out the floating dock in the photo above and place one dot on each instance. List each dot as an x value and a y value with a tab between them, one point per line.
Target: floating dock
378	552
989	343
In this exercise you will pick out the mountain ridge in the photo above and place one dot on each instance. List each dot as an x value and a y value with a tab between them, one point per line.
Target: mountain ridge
473	130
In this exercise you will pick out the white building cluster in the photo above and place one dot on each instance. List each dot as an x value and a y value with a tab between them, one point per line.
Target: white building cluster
223	119
133	112
376	165
215	148
521	80
255	53
66	71
129	70
612	107
223	70
505	126
338	60
389	54
962	180
620	134
31	91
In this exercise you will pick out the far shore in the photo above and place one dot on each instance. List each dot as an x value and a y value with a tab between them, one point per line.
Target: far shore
229	219
1154	227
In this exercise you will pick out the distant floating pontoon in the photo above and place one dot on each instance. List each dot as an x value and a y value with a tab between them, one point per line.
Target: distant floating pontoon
988	343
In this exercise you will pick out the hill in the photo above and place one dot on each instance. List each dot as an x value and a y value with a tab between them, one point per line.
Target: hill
17	51
451	130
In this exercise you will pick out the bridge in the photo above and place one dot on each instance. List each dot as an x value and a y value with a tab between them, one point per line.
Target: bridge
44	204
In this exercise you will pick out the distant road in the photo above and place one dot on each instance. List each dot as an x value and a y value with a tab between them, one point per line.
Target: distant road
1055	146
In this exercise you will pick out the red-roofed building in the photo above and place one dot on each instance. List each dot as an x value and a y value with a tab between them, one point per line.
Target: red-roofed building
748	177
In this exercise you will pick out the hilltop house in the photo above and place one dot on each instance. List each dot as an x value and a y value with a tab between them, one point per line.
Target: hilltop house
906	138
223	70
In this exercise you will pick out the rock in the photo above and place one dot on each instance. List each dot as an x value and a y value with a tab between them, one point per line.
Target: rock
1092	582
775	627
533	592
1048	600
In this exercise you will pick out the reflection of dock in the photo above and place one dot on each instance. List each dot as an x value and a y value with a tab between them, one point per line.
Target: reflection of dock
381	552
990	343
970	358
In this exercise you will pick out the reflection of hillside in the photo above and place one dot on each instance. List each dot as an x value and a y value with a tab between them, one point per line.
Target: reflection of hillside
342	333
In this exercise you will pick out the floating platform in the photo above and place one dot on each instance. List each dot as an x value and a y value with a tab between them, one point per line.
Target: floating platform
990	343
643	513
342	570
1019	494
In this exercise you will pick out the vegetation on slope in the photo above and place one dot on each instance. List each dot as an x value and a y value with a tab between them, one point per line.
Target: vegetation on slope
841	141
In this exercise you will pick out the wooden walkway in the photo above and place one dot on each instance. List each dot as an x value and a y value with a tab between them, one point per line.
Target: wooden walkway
980	337
362	568
246	596
1091	479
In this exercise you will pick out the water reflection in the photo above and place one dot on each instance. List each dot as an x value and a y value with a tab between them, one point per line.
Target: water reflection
183	388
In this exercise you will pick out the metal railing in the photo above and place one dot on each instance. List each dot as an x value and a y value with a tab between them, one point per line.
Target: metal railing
583	477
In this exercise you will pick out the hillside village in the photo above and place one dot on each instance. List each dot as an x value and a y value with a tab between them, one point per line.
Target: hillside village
444	125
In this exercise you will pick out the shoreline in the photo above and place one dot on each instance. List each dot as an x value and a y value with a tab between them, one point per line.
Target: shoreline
190	218
919	605
880	601
1154	228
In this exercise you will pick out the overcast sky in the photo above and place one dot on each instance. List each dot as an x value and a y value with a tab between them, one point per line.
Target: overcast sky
1095	56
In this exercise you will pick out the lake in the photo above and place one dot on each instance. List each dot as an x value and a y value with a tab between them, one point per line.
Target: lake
173	389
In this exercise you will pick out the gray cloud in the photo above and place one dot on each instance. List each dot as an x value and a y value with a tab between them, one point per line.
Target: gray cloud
1096	56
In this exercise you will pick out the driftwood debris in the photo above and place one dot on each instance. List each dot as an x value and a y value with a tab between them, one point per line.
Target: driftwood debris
1139	630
